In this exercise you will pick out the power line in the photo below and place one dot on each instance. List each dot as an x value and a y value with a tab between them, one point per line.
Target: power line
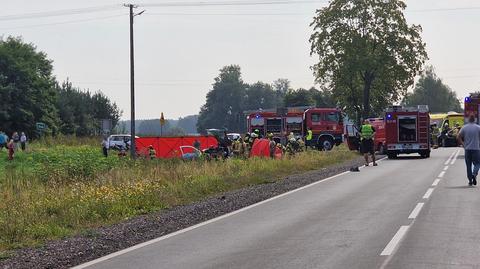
56	13
445	9
63	22
230	3
229	14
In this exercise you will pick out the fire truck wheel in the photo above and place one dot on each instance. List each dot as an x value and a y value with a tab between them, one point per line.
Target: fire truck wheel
391	155
325	143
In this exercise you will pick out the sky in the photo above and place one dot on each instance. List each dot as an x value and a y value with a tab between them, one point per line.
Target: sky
180	50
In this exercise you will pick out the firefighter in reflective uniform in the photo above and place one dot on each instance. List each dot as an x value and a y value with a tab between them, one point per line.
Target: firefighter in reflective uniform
367	132
272	145
236	147
151	152
435	133
308	138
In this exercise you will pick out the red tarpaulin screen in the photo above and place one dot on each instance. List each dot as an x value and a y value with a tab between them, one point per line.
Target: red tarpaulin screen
261	148
169	147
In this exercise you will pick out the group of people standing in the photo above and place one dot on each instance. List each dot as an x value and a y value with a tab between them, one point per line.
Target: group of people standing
242	146
13	144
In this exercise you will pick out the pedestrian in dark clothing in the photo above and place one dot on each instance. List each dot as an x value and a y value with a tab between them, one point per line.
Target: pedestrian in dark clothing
469	137
16	140
105	146
23	141
3	141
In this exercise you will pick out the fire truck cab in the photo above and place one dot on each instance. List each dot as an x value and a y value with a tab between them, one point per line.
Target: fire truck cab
407	130
326	124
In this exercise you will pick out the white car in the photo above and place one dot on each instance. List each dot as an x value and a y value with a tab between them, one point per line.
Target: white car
119	141
233	136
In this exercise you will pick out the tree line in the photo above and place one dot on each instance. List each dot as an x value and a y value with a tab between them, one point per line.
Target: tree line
30	94
231	97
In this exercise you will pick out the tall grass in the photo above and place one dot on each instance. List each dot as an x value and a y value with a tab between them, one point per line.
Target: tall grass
54	191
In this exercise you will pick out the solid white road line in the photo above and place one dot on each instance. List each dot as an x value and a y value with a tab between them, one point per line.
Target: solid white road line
449	158
153	241
416	210
428	193
455	158
441	174
445	168
395	240
435	183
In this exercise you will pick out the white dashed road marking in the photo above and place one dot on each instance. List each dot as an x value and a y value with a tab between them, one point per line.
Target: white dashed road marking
435	183
416	210
395	240
428	193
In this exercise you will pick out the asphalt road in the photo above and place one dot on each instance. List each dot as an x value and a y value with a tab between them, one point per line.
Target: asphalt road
406	213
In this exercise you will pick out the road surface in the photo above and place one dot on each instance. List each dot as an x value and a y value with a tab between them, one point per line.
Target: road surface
406	213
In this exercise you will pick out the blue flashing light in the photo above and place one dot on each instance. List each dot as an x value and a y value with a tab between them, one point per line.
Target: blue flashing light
468	99
257	116
389	116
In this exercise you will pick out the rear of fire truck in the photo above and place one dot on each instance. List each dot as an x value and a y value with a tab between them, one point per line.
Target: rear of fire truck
407	131
472	104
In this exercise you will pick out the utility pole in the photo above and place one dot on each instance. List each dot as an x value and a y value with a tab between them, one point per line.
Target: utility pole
133	152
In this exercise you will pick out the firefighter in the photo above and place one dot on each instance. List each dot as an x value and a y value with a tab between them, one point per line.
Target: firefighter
272	145
367	133
151	152
435	133
308	138
237	147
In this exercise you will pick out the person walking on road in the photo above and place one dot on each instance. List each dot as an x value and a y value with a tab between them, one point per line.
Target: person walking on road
367	132
469	138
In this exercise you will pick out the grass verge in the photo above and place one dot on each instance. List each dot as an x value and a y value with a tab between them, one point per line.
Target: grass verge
53	191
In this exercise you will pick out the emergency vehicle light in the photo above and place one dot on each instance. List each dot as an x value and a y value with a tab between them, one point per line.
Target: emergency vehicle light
257	116
467	99
389	116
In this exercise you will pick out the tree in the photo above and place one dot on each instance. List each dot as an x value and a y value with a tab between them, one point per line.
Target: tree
430	90
367	53
224	106
260	96
81	112
322	98
26	88
300	97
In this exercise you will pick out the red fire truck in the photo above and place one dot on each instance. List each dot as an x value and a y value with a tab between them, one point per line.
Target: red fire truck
472	104
326	124
352	135
407	131
380	136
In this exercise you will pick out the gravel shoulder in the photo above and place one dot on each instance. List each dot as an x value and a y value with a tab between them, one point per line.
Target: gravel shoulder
105	240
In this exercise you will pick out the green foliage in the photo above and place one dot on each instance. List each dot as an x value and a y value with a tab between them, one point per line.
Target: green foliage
312	97
53	191
30	94
300	97
80	111
224	107
367	53
27	93
430	90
